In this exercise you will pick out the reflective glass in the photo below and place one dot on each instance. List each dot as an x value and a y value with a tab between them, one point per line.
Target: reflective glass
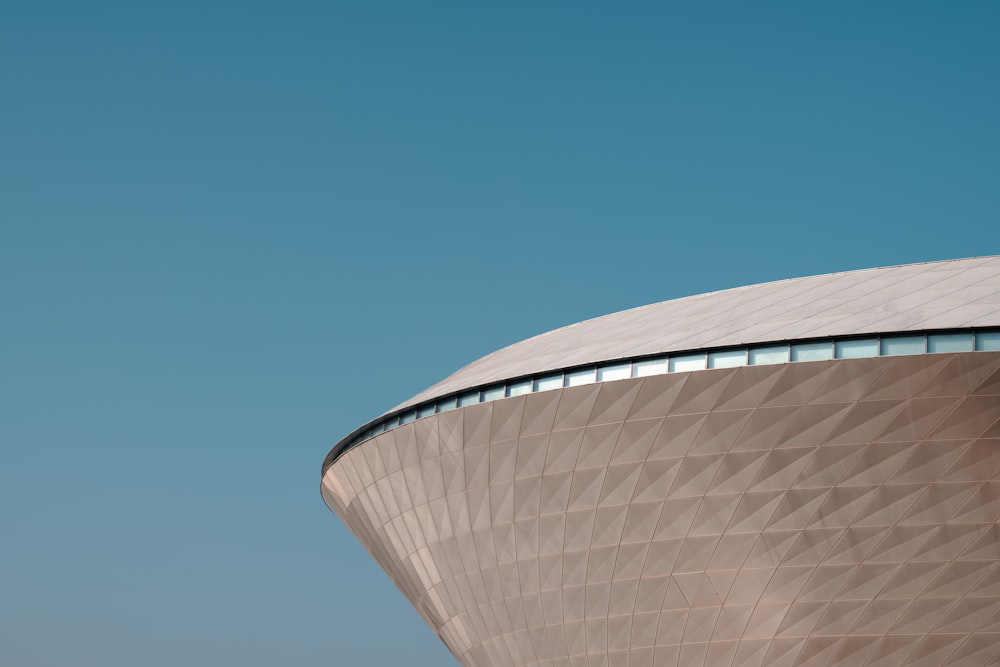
549	382
856	348
950	342
493	393
812	351
468	398
772	354
519	388
574	378
899	344
614	372
988	340
727	358
687	362
903	345
649	367
446	404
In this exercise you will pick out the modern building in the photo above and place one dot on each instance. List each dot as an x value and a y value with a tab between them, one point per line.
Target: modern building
804	472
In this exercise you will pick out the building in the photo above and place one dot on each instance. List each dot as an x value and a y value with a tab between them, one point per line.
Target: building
804	472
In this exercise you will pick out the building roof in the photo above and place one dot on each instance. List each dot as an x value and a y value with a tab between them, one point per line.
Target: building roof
953	294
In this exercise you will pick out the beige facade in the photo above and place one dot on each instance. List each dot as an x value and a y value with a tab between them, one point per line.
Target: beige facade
839	512
830	513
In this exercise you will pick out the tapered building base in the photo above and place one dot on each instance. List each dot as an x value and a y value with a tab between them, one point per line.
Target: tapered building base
835	512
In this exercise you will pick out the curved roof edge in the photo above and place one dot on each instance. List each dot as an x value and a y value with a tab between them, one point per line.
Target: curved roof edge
946	294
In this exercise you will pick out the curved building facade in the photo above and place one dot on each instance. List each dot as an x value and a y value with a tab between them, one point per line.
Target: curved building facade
804	472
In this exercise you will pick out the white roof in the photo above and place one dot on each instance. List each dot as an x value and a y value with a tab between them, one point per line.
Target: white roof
951	294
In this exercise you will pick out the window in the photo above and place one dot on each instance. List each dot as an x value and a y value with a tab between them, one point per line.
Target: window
519	388
468	398
812	351
770	354
856	348
987	340
549	382
727	358
614	372
576	378
425	410
903	345
407	417
649	367
951	342
687	362
446	404
493	393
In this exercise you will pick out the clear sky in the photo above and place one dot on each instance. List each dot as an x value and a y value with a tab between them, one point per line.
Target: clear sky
231	232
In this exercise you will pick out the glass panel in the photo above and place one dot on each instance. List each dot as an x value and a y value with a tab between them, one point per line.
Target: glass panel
855	349
727	358
950	342
812	351
549	382
425	410
446	404
903	345
687	362
519	388
988	340
493	393
614	372
772	354
468	398
407	417
574	378
649	367
390	424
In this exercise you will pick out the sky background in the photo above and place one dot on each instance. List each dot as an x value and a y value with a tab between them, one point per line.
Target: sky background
231	232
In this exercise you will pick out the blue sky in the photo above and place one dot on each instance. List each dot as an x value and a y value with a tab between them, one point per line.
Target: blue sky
232	232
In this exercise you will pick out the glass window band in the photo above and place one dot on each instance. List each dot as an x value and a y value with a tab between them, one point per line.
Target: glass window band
816	350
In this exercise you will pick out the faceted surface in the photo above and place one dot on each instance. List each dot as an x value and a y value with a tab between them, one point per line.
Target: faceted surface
819	513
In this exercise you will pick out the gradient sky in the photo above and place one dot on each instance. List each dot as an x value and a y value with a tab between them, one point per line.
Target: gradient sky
230	232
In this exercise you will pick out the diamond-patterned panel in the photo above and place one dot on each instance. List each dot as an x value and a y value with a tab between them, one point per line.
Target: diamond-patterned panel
830	514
